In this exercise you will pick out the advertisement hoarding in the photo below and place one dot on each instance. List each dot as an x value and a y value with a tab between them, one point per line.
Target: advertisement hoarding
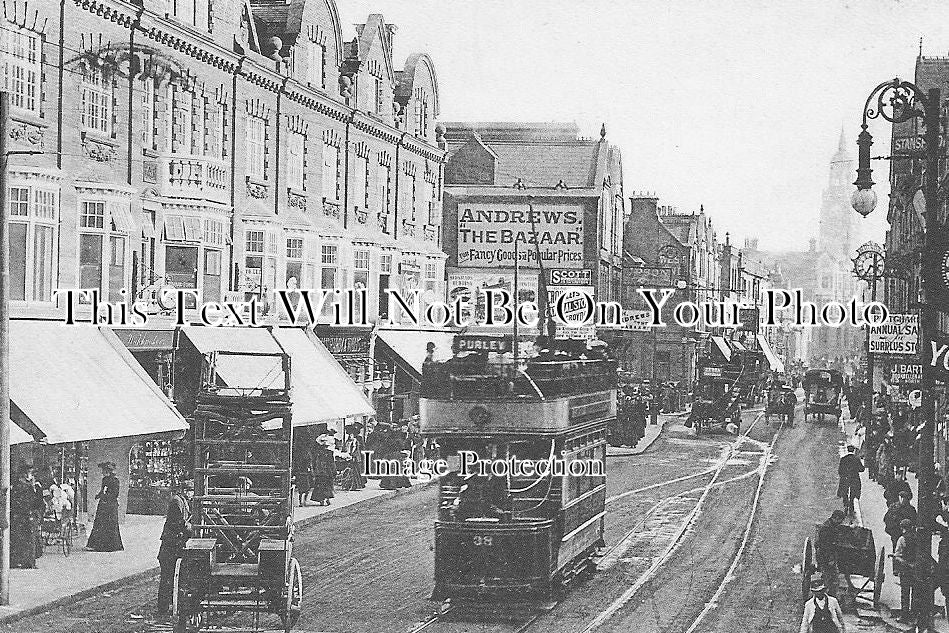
899	334
487	233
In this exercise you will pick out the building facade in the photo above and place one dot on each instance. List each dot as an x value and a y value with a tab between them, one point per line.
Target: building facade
507	181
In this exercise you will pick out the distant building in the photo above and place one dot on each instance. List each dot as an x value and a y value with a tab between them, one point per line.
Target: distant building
495	174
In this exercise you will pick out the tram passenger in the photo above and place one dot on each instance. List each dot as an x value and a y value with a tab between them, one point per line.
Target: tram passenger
483	497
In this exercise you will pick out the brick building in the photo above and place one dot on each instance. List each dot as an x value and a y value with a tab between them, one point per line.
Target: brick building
230	148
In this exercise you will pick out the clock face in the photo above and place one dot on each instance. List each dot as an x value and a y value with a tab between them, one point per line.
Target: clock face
945	268
868	265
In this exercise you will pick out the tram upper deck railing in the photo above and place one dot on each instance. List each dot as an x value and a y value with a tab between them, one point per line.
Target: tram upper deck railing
474	378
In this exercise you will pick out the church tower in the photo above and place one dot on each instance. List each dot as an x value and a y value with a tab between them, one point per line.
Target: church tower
836	233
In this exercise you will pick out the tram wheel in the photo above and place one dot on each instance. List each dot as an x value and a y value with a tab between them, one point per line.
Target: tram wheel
807	568
294	596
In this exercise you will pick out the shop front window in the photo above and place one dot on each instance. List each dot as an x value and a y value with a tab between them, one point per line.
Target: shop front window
33	220
212	275
181	270
116	268
90	261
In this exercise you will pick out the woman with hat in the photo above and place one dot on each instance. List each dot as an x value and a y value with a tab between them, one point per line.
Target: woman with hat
324	467
105	535
25	515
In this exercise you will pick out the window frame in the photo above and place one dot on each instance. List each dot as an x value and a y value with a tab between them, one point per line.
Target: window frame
255	146
22	49
296	161
96	93
32	222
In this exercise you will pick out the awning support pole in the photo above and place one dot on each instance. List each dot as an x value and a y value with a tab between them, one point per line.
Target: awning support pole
4	360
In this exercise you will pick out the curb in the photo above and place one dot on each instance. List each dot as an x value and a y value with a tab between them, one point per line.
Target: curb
153	572
629	452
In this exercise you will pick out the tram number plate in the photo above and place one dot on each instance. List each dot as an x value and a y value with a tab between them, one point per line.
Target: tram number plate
482	541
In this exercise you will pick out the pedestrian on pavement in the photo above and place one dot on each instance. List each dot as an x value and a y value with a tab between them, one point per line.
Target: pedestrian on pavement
904	557
25	515
942	561
822	613
885	461
105	536
324	469
174	535
825	549
355	448
302	475
848	488
896	485
900	511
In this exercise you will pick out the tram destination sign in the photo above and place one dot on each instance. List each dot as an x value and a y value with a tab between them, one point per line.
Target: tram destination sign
472	343
899	335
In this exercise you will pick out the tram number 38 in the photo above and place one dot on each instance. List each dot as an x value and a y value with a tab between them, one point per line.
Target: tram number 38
482	541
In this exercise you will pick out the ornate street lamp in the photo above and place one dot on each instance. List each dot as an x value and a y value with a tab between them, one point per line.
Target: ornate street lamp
898	102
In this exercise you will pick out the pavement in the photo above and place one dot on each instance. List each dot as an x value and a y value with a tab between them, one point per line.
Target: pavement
653	431
63	579
870	510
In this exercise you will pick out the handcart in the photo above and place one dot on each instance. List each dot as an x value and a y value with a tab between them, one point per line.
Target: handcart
858	563
240	562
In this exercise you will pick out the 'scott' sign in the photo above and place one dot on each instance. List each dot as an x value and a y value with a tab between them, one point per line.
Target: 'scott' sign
898	335
487	234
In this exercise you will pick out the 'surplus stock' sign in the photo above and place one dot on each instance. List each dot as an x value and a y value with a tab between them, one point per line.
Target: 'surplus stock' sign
899	334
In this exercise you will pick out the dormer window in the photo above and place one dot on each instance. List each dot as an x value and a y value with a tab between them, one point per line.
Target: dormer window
316	64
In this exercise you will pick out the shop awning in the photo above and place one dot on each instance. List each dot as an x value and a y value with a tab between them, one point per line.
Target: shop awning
78	383
18	435
322	390
739	346
722	347
249	372
773	360
407	347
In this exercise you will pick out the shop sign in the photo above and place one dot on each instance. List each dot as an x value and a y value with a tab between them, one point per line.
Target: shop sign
487	234
649	277
712	372
470	343
899	334
136	340
906	373
580	332
636	320
909	144
570	277
471	287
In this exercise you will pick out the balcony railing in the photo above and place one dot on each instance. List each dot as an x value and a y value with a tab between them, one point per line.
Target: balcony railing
197	175
474	378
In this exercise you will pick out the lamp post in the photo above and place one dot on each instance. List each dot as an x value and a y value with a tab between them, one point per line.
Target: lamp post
900	101
868	266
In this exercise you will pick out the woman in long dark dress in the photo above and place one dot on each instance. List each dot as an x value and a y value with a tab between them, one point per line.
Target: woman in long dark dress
105	535
324	471
24	520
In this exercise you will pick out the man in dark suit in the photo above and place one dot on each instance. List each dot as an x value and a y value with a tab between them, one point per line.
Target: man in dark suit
174	535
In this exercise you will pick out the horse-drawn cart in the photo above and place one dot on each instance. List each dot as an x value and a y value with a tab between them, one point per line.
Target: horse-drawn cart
858	563
781	402
823	389
240	561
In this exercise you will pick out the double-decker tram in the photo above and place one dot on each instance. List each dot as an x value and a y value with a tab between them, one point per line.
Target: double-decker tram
521	510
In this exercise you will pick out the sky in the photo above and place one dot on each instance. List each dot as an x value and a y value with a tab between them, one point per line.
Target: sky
736	105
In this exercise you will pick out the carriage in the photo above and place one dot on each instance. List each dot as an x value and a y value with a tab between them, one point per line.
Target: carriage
859	564
781	402
823	389
240	560
519	537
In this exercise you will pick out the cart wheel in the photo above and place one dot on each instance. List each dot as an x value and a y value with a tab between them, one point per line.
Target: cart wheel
66	537
294	596
878	579
807	568
184	622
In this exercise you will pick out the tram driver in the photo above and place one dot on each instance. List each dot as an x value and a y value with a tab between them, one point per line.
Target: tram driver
483	497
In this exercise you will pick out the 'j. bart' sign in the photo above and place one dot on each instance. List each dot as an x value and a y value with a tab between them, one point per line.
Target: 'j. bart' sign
487	234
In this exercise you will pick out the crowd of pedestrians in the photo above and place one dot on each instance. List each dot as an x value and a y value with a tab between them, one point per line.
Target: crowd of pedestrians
38	504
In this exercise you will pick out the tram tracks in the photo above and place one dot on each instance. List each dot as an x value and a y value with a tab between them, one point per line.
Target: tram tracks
673	516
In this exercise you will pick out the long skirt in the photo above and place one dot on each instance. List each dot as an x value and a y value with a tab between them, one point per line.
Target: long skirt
105	535
322	487
23	534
